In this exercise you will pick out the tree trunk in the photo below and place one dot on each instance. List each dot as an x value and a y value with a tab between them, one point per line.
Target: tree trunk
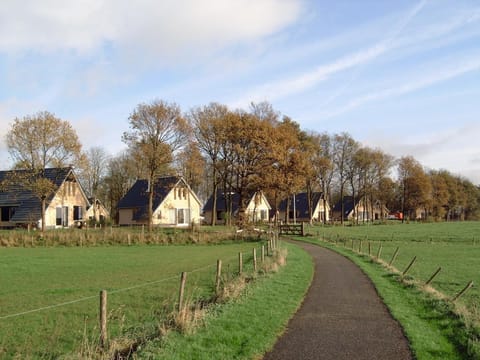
150	207
309	201
287	210
43	215
355	217
215	189
342	205
214	206
324	200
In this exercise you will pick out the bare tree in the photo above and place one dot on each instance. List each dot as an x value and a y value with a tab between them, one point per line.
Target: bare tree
93	170
209	130
36	142
92	173
121	174
158	130
344	147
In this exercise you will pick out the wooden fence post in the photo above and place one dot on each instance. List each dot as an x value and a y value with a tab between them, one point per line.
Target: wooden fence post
303	228
103	319
434	274
254	259
379	252
240	263
263	253
369	249
393	257
409	266
464	290
360	247
183	279
218	275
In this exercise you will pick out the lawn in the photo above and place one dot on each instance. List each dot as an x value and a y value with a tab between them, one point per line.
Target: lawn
455	247
142	282
248	326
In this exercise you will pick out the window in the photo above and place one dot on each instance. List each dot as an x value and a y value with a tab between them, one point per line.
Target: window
62	216
58	216
263	215
77	213
6	213
183	216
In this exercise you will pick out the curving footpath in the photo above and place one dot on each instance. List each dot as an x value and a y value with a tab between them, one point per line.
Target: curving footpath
342	317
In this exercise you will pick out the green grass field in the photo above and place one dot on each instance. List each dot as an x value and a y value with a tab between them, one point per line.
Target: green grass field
455	247
142	282
247	327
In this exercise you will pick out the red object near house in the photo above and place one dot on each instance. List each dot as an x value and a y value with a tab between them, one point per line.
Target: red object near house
398	215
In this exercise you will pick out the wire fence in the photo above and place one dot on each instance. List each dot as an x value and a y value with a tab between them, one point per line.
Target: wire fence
135	311
436	264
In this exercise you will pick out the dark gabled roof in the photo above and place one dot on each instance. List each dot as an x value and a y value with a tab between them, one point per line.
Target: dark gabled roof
137	196
28	206
347	205
222	197
301	203
222	201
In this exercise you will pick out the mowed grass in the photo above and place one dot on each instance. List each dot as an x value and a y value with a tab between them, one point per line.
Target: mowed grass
142	282
455	247
248	326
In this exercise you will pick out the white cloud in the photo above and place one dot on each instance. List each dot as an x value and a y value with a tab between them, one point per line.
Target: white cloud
162	28
421	80
307	80
454	149
402	40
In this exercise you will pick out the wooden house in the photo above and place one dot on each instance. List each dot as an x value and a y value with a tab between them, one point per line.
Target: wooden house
96	212
20	206
299	210
174	203
361	211
257	209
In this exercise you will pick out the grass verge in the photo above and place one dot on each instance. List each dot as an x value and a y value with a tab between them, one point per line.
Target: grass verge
142	282
248	326
433	329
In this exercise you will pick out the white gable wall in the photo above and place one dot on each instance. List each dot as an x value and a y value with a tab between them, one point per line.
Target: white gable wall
258	208
179	208
67	206
320	212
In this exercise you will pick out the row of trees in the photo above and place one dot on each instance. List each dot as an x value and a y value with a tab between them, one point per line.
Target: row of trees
242	151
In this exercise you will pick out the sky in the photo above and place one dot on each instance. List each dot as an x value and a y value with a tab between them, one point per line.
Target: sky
402	76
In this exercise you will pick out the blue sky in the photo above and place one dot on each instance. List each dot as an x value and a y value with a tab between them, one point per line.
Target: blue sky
402	75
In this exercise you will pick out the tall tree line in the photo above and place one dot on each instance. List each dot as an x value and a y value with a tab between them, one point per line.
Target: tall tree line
220	150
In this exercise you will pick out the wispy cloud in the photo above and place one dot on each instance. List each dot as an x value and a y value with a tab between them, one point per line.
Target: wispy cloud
305	81
165	29
470	64
400	41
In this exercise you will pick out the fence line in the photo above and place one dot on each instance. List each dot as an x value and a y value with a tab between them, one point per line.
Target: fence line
390	265
53	306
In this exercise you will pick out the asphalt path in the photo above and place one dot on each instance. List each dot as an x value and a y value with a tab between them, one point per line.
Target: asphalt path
342	317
